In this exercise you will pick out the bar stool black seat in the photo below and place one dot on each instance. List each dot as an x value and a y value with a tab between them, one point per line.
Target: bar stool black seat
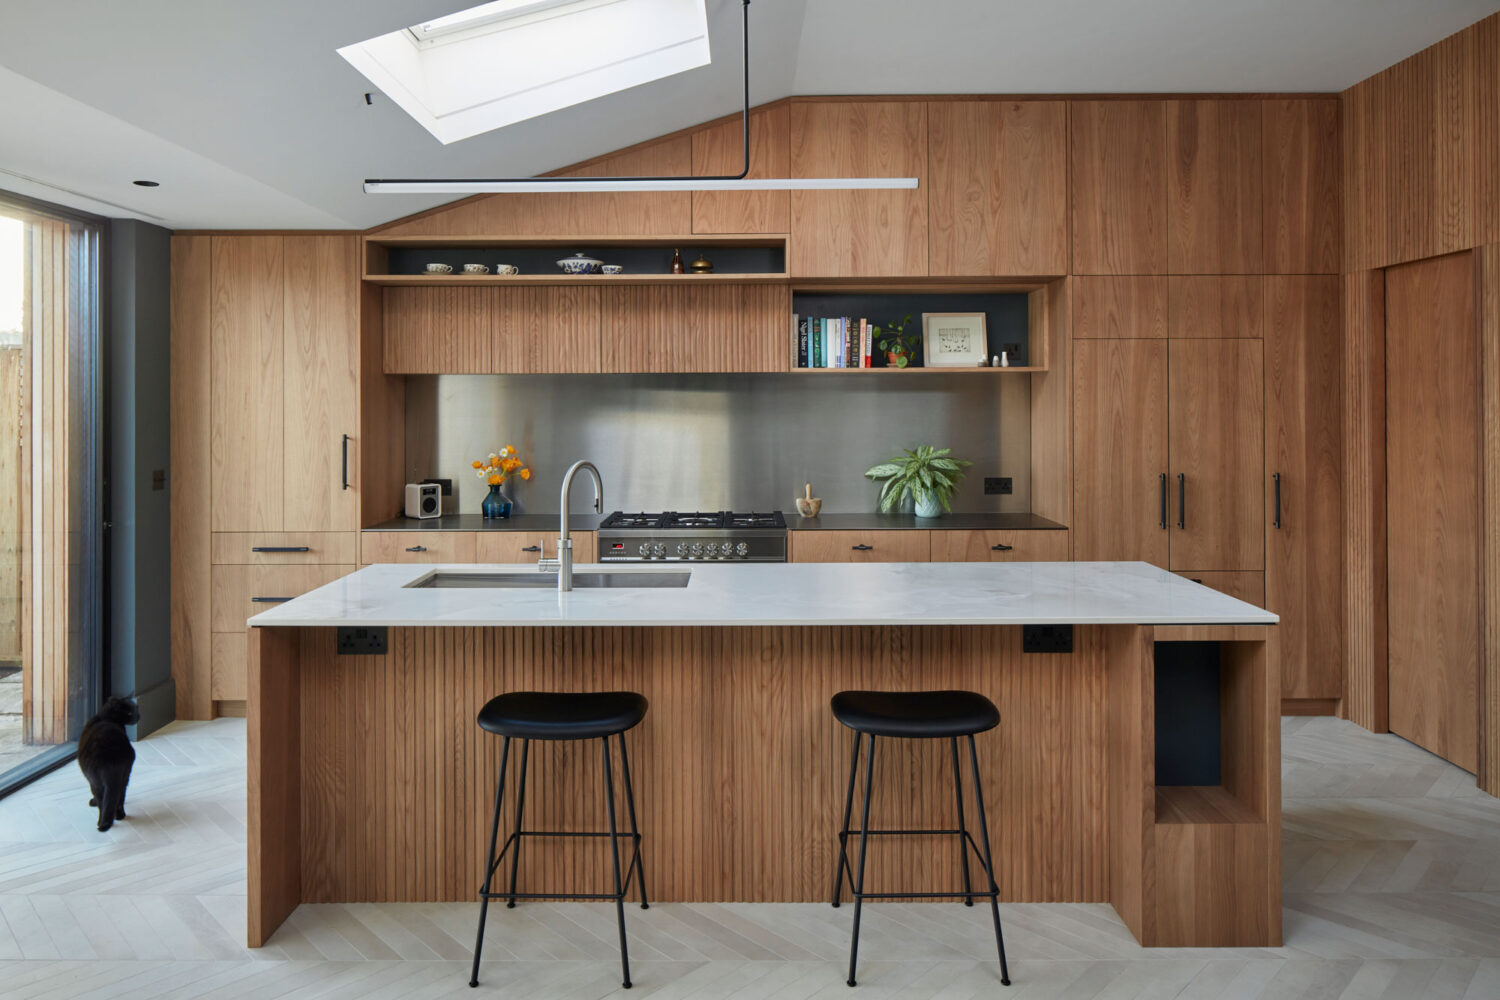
551	715
917	715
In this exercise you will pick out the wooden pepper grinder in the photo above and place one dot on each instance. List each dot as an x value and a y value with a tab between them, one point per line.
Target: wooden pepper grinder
676	261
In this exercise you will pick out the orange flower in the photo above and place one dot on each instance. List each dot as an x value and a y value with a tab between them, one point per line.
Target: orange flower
496	479
525	473
478	465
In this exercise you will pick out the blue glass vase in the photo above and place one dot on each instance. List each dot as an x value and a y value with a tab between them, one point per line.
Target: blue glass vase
496	505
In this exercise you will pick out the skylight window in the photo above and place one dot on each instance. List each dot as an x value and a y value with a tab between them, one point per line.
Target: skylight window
502	62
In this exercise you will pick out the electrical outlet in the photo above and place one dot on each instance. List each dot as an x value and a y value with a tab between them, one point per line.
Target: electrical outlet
998	484
1046	638
357	640
446	484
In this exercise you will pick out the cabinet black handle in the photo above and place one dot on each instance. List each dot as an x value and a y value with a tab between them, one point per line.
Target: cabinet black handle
417	548
532	548
1001	547
279	548
862	547
1181	500
1276	515
1163	501
269	600
346	461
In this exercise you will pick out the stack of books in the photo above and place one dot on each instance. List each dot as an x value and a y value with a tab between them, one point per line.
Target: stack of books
832	342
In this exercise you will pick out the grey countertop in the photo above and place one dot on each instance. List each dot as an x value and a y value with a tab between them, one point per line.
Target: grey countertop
827	522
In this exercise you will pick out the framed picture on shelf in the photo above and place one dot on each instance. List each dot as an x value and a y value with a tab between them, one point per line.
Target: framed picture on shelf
953	340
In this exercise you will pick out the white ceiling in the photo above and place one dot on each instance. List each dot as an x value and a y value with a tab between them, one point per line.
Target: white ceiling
248	118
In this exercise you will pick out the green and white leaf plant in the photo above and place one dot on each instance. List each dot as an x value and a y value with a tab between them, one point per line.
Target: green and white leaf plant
928	475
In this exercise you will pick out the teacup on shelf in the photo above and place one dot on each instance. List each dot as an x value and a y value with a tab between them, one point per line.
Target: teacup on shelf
613	269
439	268
476	269
507	269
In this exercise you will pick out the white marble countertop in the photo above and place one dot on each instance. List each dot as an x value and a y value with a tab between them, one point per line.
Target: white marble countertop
1071	593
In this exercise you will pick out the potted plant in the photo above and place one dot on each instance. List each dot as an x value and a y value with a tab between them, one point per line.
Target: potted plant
495	470
898	345
928	475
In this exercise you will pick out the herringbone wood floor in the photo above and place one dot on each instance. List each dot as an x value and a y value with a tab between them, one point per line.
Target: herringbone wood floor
1392	879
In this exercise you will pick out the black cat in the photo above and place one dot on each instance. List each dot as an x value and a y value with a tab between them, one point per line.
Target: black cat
105	756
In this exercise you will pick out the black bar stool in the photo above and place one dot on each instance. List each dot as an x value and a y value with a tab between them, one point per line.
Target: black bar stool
538	715
916	715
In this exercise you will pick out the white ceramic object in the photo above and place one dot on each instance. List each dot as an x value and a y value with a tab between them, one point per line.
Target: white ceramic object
613	269
1038	593
439	268
476	269
580	263
507	269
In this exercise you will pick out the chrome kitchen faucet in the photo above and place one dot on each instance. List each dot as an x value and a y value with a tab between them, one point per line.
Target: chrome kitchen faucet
564	561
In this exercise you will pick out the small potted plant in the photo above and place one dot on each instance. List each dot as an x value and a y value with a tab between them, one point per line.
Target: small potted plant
899	346
496	470
928	475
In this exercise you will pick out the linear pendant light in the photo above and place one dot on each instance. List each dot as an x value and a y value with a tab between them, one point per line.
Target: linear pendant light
741	181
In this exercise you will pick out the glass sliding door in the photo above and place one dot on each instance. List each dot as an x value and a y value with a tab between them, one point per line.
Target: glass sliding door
50	514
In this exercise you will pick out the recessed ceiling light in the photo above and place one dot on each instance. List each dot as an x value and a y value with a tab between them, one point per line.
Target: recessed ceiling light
146	184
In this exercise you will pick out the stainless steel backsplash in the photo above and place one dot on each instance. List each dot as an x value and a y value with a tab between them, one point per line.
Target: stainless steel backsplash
715	442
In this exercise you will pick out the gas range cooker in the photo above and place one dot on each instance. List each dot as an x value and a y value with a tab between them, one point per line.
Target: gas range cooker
673	536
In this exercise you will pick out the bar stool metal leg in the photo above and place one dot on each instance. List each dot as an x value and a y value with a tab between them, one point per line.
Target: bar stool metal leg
864	843
989	865
963	833
489	862
515	857
614	857
843	865
635	832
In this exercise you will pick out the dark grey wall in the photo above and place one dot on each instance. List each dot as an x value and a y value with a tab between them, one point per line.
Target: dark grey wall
137	645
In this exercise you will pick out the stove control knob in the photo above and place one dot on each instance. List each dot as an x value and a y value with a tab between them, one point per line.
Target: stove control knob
742	549
696	550
645	550
682	549
710	550
660	551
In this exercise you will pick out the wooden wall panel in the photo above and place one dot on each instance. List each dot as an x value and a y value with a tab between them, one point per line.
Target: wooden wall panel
1119	307
440	330
998	192
379	453
720	150
321	369
1215	307
273	779
1052	404
859	233
191	499
743	814
604	214
1214	179
1364	560
1489	681
1422	153
1119	186
1303	182
1433	438
1304	392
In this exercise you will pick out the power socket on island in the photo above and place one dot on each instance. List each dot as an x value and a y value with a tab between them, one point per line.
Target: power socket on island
357	640
997	484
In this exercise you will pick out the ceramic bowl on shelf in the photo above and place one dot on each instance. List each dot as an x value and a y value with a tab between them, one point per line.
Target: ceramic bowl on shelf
476	269
613	269
439	268
580	263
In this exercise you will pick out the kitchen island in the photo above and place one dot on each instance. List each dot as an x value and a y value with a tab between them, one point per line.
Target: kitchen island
369	780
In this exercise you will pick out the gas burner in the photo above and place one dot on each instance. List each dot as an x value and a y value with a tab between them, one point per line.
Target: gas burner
693	535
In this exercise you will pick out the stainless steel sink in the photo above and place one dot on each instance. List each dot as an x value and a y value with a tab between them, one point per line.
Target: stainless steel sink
546	581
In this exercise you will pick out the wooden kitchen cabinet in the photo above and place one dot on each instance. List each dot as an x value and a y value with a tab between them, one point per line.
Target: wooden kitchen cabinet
1215	307
279	548
1117	153
440	330
1120	450
1119	307
1303	481
1248	587
321	395
417	547
241	590
720	151
859	233
997	187
1303	185
1215	175
711	328
529	546
1217	448
247	372
999	546
540	330
896	545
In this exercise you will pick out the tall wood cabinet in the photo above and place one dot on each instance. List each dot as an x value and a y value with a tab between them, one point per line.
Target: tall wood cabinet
266	350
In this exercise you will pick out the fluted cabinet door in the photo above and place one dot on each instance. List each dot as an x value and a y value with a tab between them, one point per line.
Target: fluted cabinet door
247	383
712	328
440	331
